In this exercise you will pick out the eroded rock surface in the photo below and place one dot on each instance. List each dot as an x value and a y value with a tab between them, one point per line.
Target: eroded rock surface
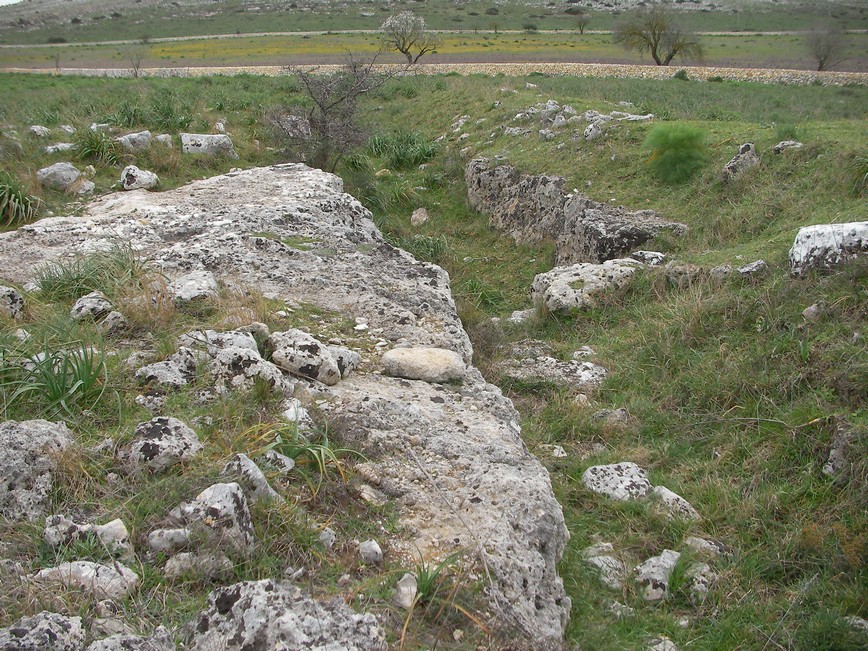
826	245
271	615
45	631
533	208
449	456
27	464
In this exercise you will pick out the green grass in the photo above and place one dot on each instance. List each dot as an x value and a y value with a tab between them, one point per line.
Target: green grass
737	50
728	387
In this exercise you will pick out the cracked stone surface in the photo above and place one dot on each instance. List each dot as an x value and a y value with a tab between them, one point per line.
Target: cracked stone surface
101	581
45	631
449	457
271	615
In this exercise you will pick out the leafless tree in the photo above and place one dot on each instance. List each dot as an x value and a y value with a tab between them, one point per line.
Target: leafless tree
135	56
406	33
582	21
654	29
322	133
826	45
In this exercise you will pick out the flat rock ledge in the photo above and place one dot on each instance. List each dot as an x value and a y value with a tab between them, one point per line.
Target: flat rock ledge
448	455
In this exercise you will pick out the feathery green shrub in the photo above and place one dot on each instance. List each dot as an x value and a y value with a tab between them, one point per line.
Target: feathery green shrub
677	151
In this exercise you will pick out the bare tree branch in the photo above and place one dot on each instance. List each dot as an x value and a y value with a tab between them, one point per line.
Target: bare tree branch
406	33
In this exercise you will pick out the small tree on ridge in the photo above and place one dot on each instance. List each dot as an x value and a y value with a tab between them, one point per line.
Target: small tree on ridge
406	33
654	29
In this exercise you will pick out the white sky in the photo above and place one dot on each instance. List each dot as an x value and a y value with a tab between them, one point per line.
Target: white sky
8	2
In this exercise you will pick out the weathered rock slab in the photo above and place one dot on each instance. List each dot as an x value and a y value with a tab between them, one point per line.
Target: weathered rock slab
100	581
207	144
162	442
576	287
618	481
45	631
271	615
426	364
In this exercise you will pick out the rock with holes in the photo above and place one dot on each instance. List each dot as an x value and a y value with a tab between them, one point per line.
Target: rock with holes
194	286
653	575
100	581
272	615
135	141
450	457
347	360
618	481
60	176
426	364
113	536
27	465
219	516
299	353
173	373
241	467
161	443
742	161
133	178
45	631
824	246
579	286
91	306
674	505
11	302
240	368
207	145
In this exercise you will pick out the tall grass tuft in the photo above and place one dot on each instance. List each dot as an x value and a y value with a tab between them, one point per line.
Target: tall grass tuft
106	271
98	146
677	152
16	206
402	150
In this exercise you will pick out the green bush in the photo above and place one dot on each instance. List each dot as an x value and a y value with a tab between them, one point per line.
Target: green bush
682	75
16	206
677	151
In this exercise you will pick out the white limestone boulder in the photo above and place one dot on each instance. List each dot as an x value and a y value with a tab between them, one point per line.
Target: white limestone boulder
207	144
60	176
824	246
219	516
161	443
618	481
426	364
299	353
653	575
576	287
11	302
134	178
135	141
100	581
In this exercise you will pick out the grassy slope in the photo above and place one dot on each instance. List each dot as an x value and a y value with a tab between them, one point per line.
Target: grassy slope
724	384
439	14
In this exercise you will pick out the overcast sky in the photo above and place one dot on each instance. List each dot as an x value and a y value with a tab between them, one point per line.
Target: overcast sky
8	2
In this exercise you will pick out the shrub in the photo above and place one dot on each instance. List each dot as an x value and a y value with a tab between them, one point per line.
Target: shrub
98	146
682	75
677	151
16	206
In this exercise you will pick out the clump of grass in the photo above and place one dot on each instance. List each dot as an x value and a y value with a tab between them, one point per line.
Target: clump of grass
98	146
425	247
677	152
59	382
16	206
859	176
402	150
106	271
166	112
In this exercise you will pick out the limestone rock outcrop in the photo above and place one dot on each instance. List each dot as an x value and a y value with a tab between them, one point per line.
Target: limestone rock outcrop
533	208
823	246
449	456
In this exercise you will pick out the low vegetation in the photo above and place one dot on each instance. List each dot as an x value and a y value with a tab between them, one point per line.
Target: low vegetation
732	393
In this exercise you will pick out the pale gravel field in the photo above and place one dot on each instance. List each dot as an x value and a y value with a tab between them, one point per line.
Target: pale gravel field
762	75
